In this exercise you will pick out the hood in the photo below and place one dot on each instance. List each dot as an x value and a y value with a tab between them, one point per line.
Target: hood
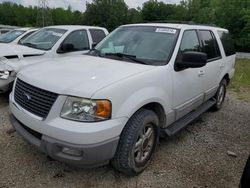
79	76
14	51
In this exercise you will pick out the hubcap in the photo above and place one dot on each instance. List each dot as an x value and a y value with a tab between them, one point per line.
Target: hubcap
144	144
221	95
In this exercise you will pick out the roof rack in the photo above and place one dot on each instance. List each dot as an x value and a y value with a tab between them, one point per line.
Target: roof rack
181	22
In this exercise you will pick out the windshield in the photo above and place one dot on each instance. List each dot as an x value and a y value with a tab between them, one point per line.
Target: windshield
44	39
153	45
11	36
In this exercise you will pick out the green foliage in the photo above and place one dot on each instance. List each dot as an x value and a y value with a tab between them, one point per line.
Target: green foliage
242	75
106	13
18	15
241	81
159	11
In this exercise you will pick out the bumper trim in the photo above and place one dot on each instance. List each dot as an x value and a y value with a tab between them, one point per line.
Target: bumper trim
92	155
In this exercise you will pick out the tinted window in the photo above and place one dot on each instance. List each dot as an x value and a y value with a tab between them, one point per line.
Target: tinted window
79	39
210	45
227	42
97	35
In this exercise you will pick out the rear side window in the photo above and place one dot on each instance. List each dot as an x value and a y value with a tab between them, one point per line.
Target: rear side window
97	35
210	45
227	42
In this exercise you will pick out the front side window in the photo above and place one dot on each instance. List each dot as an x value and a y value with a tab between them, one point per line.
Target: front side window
97	35
78	39
44	39
189	43
210	45
11	36
227	43
152	45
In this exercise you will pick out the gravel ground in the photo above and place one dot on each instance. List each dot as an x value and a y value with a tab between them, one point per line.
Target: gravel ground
196	157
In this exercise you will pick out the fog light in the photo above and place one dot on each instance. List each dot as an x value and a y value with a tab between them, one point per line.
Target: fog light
72	152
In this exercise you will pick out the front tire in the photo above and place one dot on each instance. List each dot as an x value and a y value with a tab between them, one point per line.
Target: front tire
137	143
220	95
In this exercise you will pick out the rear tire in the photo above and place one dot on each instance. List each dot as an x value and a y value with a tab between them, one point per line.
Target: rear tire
137	143
220	96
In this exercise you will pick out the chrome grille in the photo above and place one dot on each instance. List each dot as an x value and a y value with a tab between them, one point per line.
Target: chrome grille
33	99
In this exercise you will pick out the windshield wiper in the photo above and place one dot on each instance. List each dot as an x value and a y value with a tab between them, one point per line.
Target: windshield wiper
128	56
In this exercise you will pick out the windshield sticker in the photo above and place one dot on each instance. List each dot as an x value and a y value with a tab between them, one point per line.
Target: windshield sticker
165	30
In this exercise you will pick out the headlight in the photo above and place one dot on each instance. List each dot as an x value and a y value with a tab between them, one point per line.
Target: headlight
4	75
86	110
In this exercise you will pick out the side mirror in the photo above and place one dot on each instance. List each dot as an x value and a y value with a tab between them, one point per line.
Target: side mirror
192	60
65	48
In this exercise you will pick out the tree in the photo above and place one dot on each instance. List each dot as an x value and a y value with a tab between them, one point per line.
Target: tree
106	13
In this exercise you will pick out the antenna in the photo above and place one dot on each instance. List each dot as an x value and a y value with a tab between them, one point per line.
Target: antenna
44	16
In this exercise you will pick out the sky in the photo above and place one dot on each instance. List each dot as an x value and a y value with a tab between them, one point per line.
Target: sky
80	4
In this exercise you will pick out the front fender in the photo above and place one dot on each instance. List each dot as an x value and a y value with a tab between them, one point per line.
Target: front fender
140	98
130	94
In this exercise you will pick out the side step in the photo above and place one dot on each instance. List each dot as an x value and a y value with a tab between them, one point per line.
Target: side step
184	121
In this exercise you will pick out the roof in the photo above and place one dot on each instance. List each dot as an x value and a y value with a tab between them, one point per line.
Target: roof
73	27
26	29
177	25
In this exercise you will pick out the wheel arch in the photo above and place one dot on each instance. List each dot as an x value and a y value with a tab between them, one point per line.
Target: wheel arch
158	109
227	78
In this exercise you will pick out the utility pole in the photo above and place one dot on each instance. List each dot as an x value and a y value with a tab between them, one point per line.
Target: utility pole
44	16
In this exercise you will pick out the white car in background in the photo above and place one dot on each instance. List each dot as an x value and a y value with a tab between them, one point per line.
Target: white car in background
49	42
17	35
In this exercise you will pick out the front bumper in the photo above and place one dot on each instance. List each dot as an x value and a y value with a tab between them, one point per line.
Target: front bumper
5	85
90	155
97	142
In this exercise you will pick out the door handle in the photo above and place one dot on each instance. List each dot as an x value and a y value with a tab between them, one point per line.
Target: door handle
201	73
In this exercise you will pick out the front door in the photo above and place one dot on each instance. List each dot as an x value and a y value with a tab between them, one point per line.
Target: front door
79	41
188	90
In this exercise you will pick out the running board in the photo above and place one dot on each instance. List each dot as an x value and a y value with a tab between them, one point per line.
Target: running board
184	121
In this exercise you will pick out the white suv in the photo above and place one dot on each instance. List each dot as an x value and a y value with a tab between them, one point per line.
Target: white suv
48	42
112	105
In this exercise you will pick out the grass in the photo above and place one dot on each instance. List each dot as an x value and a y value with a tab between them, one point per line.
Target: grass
240	84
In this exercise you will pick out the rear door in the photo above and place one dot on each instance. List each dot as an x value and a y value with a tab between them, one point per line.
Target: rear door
214	63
